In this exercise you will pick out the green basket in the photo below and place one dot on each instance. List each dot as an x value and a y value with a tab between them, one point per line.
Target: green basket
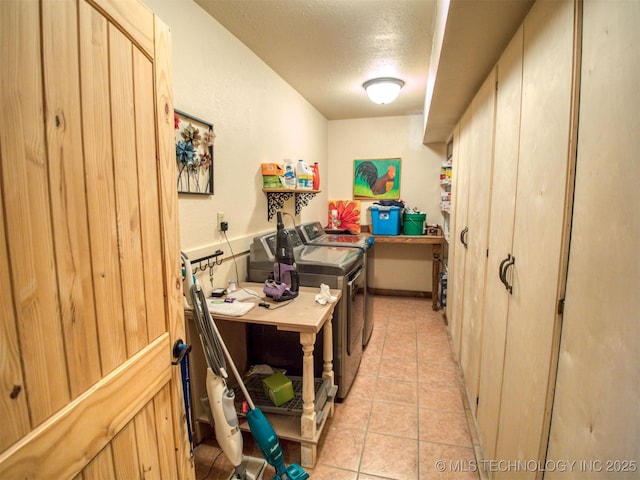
413	223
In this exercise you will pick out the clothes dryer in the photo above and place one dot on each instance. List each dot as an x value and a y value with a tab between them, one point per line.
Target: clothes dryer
337	267
313	233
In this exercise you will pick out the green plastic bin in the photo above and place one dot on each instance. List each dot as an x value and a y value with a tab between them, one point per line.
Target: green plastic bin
413	223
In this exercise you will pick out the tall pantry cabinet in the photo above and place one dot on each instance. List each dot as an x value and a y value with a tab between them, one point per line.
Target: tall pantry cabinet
596	410
505	161
457	252
478	160
510	315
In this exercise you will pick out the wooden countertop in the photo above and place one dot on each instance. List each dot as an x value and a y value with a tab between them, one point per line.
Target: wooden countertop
303	314
409	239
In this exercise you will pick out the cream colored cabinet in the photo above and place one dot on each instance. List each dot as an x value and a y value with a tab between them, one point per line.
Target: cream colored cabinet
541	229
473	147
457	250
596	411
509	322
496	306
479	158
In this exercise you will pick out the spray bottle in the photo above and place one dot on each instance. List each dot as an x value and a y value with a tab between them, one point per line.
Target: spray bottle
289	174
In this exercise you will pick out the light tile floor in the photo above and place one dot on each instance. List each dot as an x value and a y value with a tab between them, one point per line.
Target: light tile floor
405	418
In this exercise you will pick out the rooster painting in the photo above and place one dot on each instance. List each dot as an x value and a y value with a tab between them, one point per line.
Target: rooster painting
376	179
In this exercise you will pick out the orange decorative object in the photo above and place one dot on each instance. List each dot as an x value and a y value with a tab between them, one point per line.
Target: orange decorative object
348	215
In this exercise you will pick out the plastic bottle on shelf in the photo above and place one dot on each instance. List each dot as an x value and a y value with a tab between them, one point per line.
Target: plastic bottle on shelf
316	176
304	176
289	174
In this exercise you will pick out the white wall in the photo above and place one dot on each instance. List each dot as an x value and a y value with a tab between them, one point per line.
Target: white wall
257	118
387	137
398	267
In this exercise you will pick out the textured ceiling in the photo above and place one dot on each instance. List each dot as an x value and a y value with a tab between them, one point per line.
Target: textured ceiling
326	49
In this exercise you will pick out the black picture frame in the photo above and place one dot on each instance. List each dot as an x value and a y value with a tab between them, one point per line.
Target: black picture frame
194	139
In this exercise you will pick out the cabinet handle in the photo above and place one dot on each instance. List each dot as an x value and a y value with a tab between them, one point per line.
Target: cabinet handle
501	272
510	263
463	236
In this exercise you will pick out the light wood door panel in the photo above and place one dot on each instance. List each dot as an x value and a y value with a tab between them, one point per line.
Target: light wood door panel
460	195
597	404
101	206
148	181
13	406
67	192
480	155
28	227
89	246
505	172
126	183
539	234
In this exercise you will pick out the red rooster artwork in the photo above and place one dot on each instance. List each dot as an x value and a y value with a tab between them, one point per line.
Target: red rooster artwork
377	179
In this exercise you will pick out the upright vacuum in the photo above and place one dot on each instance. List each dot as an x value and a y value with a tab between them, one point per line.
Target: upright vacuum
222	401
283	283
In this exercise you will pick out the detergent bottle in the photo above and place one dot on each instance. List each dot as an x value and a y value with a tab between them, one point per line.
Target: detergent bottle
304	176
316	176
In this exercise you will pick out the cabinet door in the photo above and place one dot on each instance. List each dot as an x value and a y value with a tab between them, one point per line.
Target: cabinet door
541	222
503	194
479	155
460	196
595	411
89	253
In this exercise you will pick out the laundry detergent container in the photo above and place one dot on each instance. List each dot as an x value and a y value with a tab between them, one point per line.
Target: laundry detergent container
413	223
385	220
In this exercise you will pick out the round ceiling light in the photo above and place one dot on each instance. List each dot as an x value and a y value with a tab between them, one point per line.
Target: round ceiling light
383	90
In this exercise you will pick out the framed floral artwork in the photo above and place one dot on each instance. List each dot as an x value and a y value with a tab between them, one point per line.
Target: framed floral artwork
344	215
194	154
376	179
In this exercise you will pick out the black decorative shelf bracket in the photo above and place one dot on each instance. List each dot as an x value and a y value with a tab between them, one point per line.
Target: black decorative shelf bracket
275	202
302	200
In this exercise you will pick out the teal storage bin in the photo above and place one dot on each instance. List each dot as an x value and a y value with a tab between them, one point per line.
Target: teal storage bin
413	223
385	220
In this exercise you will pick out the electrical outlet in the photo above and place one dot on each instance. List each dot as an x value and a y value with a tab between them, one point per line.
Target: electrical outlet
220	220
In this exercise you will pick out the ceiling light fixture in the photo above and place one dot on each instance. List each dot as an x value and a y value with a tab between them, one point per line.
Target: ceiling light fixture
383	90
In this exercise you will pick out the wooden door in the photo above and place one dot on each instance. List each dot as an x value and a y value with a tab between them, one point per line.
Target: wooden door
460	198
542	219
91	298
505	172
596	412
480	155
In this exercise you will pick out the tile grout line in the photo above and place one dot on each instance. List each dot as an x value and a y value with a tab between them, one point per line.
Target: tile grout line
475	448
418	416
373	394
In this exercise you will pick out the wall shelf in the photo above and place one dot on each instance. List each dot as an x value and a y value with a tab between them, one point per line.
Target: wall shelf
277	196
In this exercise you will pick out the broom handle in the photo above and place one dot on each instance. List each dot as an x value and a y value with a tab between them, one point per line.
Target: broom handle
233	366
236	374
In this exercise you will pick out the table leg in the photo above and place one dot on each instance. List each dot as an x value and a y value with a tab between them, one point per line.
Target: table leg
435	273
327	355
308	450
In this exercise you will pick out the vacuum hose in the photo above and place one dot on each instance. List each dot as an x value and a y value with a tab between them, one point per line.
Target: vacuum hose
209	335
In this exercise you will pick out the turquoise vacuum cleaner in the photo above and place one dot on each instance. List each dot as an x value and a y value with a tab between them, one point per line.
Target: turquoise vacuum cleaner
222	401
